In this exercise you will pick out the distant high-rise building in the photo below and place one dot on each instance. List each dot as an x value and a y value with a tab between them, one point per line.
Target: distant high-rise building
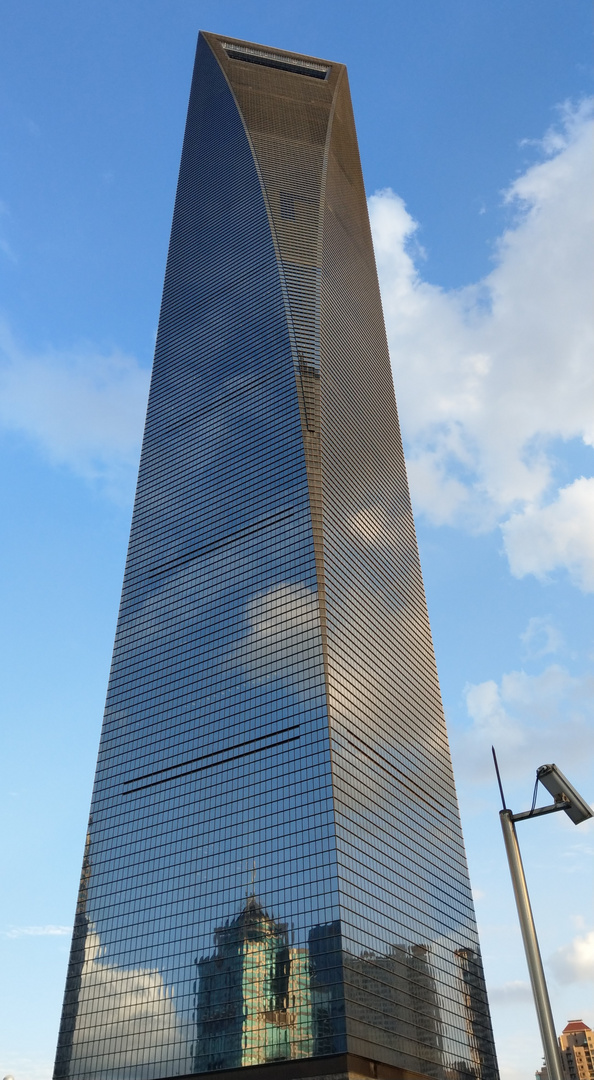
576	1043
273	709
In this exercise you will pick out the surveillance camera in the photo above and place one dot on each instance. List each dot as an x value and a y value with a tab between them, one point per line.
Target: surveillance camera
562	791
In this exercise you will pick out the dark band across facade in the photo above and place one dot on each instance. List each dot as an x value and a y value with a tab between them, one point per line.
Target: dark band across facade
274	881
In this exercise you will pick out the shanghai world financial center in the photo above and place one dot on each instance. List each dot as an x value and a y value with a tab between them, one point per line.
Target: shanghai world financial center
274	882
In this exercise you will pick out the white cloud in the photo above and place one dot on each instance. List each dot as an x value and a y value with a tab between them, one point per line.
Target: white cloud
84	408
26	1066
488	376
541	636
512	1072
529	719
5	247
371	526
136	1025
284	623
574	962
541	539
511	993
38	931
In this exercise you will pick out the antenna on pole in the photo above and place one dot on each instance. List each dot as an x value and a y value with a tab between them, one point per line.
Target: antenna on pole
498	777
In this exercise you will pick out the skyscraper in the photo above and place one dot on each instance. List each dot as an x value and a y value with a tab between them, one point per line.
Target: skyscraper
274	875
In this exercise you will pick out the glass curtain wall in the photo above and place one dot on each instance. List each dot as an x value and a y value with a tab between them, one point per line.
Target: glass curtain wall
213	783
274	868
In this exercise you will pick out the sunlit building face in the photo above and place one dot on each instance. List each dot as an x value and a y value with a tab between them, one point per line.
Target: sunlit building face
274	869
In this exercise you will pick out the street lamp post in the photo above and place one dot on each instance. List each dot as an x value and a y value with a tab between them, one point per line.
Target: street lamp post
567	799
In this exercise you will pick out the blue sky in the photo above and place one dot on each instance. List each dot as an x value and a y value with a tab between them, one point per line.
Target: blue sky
475	123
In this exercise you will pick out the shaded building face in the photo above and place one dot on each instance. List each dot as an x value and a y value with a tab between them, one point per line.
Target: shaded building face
273	706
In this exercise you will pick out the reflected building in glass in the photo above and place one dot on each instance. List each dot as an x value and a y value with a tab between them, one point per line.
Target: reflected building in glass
274	878
253	995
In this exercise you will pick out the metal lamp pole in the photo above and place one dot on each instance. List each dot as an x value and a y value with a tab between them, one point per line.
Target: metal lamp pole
533	958
568	799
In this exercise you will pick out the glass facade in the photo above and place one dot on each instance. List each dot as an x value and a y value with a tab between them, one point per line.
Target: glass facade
274	869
